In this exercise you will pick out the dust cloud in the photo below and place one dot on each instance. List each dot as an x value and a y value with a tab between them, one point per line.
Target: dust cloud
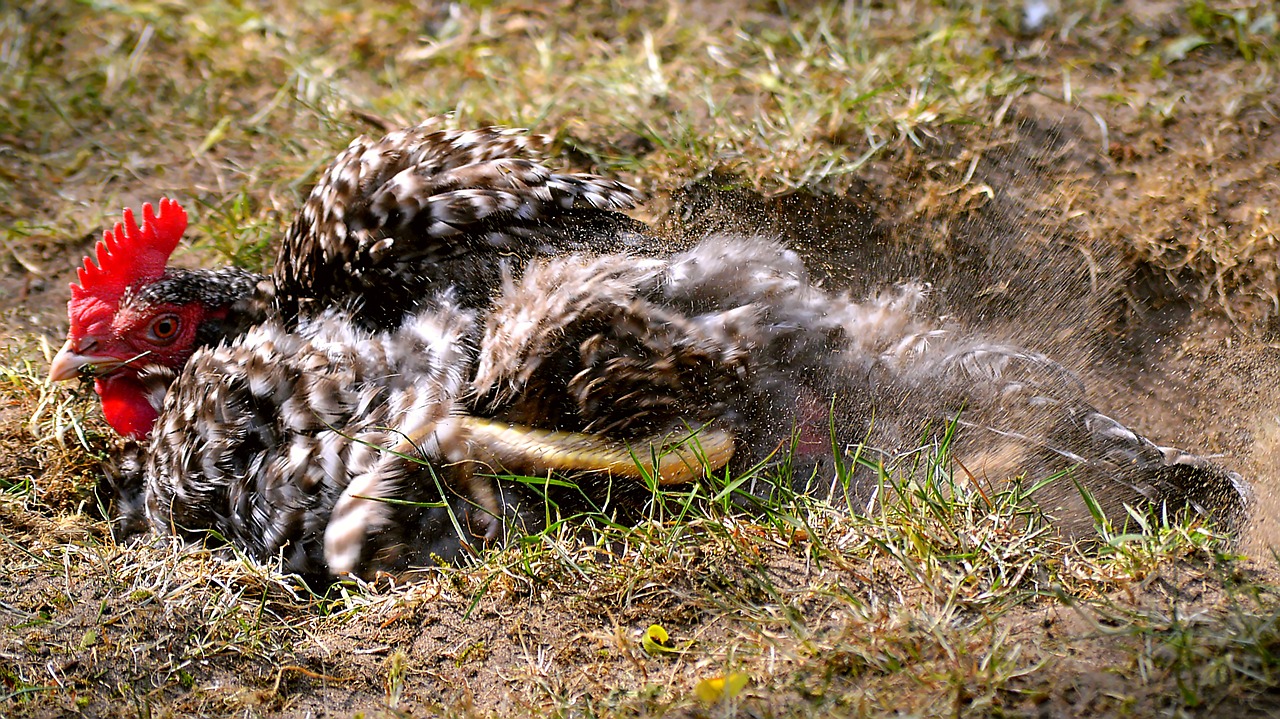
1014	240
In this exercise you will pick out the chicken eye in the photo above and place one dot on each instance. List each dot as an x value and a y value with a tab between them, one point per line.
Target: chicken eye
164	328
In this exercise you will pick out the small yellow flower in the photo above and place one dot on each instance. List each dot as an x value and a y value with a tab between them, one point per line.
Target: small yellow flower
714	689
656	641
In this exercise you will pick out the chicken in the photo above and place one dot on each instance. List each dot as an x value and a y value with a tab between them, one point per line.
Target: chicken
444	306
168	350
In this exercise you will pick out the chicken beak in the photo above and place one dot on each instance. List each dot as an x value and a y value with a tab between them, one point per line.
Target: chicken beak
68	363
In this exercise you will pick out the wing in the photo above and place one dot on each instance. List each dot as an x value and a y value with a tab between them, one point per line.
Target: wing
733	331
577	345
1014	426
403	217
1019	413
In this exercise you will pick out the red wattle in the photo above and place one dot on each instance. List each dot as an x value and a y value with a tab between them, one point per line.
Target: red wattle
125	405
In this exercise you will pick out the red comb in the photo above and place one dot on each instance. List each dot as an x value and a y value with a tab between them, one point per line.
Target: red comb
128	254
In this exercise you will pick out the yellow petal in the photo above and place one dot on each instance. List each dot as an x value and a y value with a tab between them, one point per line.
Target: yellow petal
656	640
714	689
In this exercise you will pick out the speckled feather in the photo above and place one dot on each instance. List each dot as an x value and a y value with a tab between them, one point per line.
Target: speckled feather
421	209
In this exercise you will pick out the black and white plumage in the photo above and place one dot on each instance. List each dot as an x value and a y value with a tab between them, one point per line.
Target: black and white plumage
426	208
439	286
733	333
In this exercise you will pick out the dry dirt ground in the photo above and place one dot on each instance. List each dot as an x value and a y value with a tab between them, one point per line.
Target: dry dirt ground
1113	207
